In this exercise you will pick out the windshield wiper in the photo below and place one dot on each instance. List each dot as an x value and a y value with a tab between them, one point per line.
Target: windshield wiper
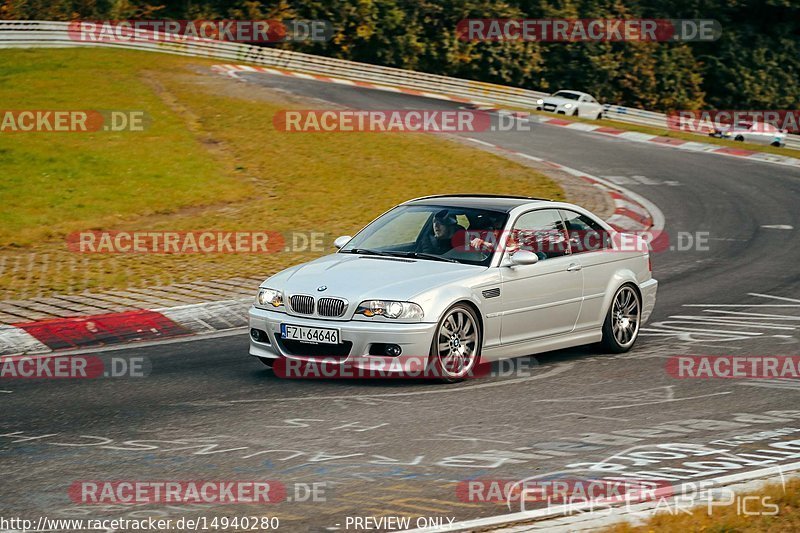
424	255
365	251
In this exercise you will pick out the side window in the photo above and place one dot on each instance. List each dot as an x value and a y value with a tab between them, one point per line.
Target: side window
585	234
541	232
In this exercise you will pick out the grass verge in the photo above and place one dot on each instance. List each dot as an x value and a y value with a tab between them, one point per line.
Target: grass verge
210	160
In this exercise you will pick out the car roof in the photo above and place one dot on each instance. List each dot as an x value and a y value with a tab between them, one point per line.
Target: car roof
492	202
569	91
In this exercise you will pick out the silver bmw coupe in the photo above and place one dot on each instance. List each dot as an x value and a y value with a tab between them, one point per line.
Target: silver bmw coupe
459	280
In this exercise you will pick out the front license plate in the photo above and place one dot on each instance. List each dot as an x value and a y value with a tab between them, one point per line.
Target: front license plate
306	334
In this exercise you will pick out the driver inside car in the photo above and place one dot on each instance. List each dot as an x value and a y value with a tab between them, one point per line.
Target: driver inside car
441	240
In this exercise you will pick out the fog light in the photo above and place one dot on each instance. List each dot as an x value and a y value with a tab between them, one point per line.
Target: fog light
259	335
393	350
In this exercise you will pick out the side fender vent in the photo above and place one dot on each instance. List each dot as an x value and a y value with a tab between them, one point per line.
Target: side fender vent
491	293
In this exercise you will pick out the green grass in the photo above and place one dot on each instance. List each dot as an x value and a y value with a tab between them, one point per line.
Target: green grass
210	160
55	183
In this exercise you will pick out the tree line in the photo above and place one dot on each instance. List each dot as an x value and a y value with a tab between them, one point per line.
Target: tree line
755	64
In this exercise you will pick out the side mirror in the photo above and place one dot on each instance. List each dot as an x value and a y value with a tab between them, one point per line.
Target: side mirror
524	257
341	241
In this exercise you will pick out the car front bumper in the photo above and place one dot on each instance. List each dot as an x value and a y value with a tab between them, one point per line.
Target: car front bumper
413	338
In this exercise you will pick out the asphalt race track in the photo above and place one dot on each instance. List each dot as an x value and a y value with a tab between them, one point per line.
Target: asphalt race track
209	411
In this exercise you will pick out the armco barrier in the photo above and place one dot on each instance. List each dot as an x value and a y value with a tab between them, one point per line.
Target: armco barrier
33	33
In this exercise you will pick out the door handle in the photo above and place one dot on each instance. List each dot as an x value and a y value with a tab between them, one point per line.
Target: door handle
574	267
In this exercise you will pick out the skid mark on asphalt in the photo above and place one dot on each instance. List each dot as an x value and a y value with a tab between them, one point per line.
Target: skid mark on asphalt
582	415
666	401
778	383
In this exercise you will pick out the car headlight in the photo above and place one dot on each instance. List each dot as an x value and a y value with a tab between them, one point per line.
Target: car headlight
539	101
390	309
567	106
269	298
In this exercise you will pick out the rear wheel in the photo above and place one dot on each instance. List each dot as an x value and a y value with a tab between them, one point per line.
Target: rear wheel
599	116
776	144
739	138
621	327
456	347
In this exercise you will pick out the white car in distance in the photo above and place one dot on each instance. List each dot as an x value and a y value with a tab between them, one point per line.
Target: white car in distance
752	132
573	104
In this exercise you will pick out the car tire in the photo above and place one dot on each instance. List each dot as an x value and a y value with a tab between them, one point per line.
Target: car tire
621	326
599	116
575	114
739	138
776	144
457	330
268	361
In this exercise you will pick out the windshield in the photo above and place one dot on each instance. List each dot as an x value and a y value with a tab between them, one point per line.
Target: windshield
433	232
567	95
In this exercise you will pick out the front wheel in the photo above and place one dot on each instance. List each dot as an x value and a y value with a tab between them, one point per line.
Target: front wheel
739	138
456	347
621	327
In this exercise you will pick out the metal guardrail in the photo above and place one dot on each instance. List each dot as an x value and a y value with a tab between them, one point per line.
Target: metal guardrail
33	33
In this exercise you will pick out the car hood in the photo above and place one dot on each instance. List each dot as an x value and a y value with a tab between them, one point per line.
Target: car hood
361	277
